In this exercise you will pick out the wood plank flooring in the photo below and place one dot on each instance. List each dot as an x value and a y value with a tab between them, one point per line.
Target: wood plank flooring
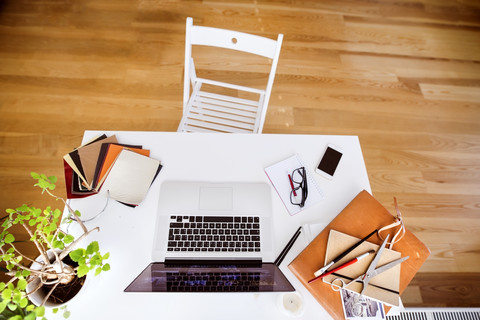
402	75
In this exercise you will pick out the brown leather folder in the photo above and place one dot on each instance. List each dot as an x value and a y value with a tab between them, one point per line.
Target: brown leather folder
363	215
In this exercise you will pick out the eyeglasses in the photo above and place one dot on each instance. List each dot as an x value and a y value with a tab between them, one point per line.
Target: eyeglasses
299	179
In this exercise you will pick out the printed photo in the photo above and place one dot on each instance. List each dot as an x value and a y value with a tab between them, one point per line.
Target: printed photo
356	306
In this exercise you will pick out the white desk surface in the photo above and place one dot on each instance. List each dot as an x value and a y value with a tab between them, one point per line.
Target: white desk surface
127	233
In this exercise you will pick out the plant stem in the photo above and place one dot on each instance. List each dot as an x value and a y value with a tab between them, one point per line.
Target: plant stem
70	210
20	254
11	280
57	258
41	250
49	293
40	284
68	249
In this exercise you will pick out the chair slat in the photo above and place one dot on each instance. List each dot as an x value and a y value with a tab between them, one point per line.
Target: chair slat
231	86
214	119
187	128
234	107
215	126
228	98
221	114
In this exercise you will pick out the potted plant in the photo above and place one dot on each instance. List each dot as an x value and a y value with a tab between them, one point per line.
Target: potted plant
59	271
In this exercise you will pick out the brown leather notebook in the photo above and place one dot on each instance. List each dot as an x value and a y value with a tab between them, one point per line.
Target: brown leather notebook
363	215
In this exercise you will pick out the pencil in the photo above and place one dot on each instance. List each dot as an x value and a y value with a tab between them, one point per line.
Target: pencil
346	264
291	185
325	268
287	248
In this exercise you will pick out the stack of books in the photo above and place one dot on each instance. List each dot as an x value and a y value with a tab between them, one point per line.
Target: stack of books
118	171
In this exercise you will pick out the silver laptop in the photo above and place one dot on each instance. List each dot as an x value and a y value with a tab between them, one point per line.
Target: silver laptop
212	237
214	213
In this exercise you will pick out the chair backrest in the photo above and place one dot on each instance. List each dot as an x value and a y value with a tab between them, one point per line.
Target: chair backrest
234	40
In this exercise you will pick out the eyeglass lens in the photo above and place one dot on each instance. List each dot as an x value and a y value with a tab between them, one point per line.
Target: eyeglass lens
300	181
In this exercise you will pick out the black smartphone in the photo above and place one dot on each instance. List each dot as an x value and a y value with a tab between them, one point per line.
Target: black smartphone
329	162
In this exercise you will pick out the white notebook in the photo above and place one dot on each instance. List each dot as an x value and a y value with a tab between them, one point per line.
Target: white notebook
278	175
130	177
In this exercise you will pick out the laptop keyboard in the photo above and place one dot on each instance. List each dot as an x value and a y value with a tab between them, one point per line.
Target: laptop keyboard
212	233
213	282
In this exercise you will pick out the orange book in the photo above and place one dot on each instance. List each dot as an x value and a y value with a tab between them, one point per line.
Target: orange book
361	216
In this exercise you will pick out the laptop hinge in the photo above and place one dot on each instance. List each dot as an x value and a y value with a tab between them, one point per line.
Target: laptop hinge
245	263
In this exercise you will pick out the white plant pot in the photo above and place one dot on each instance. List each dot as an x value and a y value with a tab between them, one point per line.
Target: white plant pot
38	296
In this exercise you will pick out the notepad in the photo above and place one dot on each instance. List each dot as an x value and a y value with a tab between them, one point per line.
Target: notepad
384	287
130	177
278	175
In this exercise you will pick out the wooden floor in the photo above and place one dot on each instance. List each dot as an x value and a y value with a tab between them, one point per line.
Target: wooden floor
403	75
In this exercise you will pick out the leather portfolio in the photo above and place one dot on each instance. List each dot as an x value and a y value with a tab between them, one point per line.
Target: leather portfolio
361	216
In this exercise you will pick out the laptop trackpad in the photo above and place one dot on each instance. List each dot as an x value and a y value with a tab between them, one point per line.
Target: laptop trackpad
216	198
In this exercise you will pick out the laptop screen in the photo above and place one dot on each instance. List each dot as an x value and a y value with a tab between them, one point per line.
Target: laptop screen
261	277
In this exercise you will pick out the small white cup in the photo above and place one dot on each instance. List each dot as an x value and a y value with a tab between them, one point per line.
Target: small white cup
291	304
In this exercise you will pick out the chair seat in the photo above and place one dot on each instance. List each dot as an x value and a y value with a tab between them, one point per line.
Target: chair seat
212	112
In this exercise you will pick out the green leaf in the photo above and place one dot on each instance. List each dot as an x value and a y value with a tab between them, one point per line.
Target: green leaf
82	261
55	310
2	286
68	239
58	245
7	294
17	296
66	314
30	316
98	271
52	227
3	305
12	306
9	238
23	303
17	317
96	260
40	311
36	212
106	256
106	267
53	179
57	213
22	284
77	254
93	247
82	271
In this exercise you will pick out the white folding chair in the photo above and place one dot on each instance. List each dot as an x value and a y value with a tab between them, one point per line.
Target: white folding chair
207	111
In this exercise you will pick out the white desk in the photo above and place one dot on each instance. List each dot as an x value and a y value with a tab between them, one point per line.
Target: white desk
127	233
